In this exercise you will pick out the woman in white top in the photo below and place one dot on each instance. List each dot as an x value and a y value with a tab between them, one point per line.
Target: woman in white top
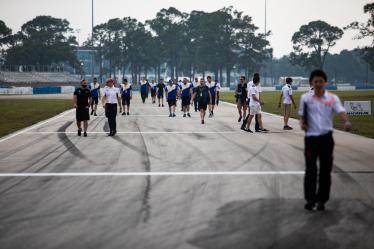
111	98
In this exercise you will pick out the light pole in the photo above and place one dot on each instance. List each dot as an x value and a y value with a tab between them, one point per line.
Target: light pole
92	46
265	19
78	32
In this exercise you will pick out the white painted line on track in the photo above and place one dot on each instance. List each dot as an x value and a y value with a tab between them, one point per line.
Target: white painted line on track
12	135
137	132
197	173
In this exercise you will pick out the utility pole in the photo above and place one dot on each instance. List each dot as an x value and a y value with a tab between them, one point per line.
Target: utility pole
265	19
92	46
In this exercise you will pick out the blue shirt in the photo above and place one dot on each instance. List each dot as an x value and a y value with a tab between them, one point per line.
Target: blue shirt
186	90
95	89
144	86
126	90
171	91
212	88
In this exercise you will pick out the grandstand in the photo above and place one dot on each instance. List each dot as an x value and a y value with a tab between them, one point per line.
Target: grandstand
21	79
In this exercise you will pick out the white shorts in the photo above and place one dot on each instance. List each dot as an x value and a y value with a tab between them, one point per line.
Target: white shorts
254	110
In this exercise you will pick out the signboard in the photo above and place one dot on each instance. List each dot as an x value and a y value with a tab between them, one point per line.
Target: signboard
358	107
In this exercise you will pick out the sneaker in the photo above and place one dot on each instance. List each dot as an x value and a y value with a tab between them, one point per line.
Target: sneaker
309	206
184	115
170	115
210	115
79	132
162	105
159	105
95	114
110	134
123	113
258	130
240	119
92	112
321	207
243	128
264	130
287	128
128	113
114	133
249	130
189	115
202	122
174	115
85	134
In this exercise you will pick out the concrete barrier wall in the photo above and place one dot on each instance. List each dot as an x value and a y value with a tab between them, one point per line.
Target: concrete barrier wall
346	88
46	90
67	89
16	90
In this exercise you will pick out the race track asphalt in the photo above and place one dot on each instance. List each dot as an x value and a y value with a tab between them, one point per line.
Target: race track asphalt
165	183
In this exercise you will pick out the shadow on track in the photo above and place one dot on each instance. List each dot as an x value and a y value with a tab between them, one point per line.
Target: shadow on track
282	223
66	141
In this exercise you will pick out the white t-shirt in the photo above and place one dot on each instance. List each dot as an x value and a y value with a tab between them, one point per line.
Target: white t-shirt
254	90
218	87
111	94
124	87
319	112
287	92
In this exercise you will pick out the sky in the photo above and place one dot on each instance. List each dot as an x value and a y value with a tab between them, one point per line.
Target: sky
284	16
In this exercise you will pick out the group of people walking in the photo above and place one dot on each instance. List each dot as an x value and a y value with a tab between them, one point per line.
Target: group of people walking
316	110
200	93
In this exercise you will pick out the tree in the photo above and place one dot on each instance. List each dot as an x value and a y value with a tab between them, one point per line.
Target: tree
170	26
312	43
44	40
5	32
366	30
253	47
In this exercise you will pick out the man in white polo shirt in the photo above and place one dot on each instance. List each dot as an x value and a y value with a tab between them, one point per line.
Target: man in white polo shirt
316	112
288	100
111	98
255	105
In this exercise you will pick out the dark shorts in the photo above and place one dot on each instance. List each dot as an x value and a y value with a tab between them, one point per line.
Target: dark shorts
160	95
241	103
186	101
172	102
82	114
126	101
202	105
213	100
95	100
153	93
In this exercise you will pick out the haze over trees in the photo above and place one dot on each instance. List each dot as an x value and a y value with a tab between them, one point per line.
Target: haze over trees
176	44
45	40
312	43
188	43
366	30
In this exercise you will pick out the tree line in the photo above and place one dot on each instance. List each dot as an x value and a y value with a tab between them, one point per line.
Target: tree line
186	43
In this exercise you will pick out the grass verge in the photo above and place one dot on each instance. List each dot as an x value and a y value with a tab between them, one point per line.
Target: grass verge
16	114
362	125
